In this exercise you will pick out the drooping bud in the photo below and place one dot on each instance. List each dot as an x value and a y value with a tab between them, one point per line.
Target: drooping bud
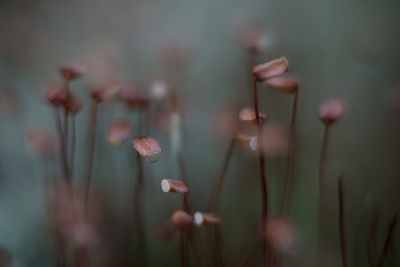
283	84
206	219
42	142
246	141
176	186
148	148
103	93
331	110
248	116
72	71
270	69
118	131
181	219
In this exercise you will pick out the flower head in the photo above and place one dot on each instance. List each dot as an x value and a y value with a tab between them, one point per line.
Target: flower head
118	131
331	110
148	148
72	71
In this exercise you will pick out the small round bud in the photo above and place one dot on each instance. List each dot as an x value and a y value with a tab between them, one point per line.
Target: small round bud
331	110
148	148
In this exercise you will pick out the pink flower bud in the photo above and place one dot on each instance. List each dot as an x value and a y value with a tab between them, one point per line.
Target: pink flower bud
148	148
118	131
331	110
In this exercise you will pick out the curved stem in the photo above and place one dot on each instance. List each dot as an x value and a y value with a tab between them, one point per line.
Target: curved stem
341	222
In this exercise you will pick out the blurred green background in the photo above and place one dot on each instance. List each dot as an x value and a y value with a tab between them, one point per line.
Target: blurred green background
346	49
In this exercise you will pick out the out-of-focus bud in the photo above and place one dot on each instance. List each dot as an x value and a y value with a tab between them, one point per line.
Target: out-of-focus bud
159	89
73	104
246	141
254	38
206	219
103	93
248	116
176	186
331	110
181	219
281	234
133	99
276	139
283	84
72	71
270	69
83	233
118	131
42	142
165	230
148	148
56	94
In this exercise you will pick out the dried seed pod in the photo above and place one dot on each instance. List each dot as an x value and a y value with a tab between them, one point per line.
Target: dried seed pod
246	141
103	93
148	148
72	71
56	94
181	219
281	234
118	131
206	219
73	104
283	84
331	110
176	186
248	116
42	142
270	69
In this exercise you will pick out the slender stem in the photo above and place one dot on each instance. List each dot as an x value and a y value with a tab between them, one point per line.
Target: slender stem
91	140
182	248
261	158
322	162
288	182
64	162
371	242
388	240
182	169
73	141
66	115
217	187
341	222
138	214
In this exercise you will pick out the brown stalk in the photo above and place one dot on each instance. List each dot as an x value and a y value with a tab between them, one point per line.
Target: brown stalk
182	245
91	140
64	161
341	222
261	158
388	241
73	141
217	187
322	162
288	182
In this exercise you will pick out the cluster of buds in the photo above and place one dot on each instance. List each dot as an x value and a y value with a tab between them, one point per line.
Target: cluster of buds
148	148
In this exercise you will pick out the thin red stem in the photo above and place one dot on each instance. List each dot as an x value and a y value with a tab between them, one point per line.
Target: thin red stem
388	241
261	159
341	222
61	137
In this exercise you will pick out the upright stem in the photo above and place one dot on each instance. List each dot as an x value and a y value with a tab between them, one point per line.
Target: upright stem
261	159
138	216
91	141
322	162
182	248
217	187
388	241
288	182
73	141
182	169
61	137
341	222
66	115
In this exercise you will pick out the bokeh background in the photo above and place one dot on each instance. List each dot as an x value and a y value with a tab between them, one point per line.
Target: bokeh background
346	49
